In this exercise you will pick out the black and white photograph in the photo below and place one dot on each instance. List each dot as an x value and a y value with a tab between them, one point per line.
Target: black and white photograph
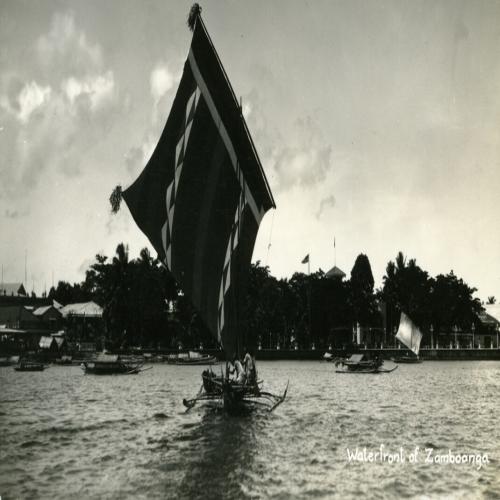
249	249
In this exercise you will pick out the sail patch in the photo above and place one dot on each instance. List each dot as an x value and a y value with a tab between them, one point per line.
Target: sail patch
226	272
258	213
172	188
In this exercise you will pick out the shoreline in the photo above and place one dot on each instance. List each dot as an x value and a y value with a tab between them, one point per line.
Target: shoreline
485	354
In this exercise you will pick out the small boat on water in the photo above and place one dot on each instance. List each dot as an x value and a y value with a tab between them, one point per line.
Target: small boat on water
361	363
29	366
234	396
64	360
409	335
191	358
112	364
8	361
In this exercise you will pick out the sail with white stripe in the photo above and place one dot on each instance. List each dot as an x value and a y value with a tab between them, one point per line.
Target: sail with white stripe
202	195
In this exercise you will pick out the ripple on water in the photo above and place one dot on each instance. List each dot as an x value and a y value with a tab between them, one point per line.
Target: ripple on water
130	437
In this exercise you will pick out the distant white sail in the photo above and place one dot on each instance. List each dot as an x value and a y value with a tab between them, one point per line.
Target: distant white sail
409	334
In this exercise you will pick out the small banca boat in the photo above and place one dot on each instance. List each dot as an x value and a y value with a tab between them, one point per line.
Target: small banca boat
112	364
234	396
409	335
191	358
361	363
29	366
328	356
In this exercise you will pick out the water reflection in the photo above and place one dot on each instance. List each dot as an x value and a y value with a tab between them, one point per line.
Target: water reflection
221	453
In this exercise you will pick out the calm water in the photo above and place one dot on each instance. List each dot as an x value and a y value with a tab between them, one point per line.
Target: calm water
64	434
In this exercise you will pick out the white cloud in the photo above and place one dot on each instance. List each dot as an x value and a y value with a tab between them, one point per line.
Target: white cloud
73	106
31	97
137	157
66	45
161	81
98	89
307	162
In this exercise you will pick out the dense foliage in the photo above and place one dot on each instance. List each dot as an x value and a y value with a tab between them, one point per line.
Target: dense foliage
143	305
444	303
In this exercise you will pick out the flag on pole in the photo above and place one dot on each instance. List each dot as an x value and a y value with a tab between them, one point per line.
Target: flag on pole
305	260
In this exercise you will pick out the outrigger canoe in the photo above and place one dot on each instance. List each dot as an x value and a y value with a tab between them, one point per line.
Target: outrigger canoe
29	366
106	364
232	395
359	363
191	358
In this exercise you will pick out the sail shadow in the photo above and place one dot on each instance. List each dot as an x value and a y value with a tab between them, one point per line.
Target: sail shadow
221	454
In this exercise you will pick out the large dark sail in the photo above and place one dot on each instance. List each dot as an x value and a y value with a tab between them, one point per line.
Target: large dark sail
203	193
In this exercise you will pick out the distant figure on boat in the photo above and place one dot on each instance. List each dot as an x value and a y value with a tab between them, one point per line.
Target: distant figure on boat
250	369
239	371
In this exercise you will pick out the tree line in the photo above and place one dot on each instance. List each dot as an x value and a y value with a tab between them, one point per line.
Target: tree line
142	304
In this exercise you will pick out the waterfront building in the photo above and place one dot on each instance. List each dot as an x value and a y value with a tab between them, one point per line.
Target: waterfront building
84	321
49	317
335	273
12	289
490	325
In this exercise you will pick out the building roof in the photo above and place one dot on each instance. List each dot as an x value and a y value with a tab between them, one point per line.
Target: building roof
335	272
491	315
493	310
82	309
40	311
59	341
12	289
46	342
5	330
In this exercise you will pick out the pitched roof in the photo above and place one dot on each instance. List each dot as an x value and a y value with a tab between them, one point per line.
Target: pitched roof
46	342
87	309
12	289
335	272
40	311
59	341
493	310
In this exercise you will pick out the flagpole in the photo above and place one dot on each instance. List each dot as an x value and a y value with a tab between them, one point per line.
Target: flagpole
334	253
307	259
309	292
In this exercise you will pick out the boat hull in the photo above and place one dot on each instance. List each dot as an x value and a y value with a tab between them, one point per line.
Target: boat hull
407	360
209	360
35	367
110	369
363	371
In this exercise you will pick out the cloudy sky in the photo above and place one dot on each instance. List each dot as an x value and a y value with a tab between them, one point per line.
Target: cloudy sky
377	124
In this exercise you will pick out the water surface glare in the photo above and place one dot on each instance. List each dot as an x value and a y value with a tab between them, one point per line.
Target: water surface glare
65	434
